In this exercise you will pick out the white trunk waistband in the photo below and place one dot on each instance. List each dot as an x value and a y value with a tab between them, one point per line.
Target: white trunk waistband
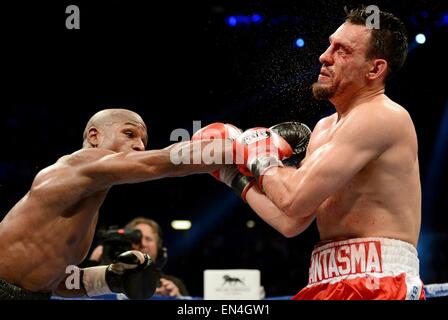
352	258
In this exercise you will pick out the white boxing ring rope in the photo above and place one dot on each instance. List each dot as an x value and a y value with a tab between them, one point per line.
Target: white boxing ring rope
433	290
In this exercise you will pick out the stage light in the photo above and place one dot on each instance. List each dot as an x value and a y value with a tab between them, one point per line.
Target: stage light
250	224
445	19
181	224
420	38
256	18
244	20
300	43
231	21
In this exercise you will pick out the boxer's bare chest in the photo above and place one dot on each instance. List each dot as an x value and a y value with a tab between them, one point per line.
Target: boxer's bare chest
346	203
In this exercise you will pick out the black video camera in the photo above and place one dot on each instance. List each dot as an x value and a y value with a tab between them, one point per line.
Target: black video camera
116	241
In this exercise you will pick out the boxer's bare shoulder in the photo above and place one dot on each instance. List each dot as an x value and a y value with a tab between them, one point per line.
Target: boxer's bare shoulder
76	159
318	133
66	174
83	156
388	120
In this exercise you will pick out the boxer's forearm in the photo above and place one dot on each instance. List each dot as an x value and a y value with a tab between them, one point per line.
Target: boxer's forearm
286	188
71	290
184	158
276	218
177	160
202	156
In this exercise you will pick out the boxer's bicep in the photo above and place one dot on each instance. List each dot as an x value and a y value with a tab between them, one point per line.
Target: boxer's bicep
328	169
331	166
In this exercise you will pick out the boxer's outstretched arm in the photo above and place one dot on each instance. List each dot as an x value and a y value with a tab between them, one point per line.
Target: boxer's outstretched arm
299	192
137	166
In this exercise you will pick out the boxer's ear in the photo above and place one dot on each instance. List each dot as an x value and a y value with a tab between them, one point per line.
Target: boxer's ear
93	137
377	69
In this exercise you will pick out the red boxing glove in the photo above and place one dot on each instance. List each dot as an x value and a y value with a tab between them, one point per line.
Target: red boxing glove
217	130
260	149
227	174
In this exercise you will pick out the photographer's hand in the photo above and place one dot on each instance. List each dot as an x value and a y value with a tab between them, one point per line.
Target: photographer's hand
167	288
97	254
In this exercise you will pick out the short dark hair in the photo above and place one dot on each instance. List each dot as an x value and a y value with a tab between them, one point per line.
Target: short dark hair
389	42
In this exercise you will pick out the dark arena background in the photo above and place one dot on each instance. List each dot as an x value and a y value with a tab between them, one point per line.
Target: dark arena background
249	63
